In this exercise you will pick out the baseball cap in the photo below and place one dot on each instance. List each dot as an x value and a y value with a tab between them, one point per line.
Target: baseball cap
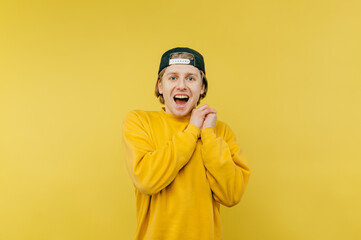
197	61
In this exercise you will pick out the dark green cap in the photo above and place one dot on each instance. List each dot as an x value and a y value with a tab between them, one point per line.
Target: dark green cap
166	60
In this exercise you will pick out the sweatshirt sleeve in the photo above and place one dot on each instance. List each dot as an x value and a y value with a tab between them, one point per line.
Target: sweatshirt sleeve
226	167
153	169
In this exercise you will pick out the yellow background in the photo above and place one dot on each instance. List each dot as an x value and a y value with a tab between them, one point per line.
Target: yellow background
285	75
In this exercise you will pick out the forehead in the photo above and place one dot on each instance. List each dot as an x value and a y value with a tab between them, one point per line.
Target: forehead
182	69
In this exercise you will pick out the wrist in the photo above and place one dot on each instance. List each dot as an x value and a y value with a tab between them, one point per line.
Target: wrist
208	133
197	125
194	130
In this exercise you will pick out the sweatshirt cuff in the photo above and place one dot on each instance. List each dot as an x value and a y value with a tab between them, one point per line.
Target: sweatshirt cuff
194	130
208	133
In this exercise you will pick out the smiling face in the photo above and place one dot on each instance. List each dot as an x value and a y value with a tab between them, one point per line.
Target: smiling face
181	87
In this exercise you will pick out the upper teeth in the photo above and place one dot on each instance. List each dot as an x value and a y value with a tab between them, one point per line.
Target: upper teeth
181	96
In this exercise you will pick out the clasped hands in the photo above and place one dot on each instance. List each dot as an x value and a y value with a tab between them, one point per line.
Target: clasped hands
203	117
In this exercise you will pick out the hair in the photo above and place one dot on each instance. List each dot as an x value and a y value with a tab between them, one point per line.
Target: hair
161	73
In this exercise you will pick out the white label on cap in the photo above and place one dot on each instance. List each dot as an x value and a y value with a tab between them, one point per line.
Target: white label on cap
179	61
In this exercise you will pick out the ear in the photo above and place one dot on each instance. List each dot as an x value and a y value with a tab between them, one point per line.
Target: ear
160	87
203	88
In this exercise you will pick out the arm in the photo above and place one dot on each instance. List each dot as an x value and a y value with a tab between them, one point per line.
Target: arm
153	169
227	171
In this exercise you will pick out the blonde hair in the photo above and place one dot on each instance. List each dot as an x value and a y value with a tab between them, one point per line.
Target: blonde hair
160	75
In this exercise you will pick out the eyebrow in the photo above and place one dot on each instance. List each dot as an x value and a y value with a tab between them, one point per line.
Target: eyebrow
187	74
170	73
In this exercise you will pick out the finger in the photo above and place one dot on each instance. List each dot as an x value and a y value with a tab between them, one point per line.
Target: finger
212	113
207	111
201	110
211	109
203	107
208	108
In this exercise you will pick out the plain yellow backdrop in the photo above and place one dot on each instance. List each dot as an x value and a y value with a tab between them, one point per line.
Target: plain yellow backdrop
285	75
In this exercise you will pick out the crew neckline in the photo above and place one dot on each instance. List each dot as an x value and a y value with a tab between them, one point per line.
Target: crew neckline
172	116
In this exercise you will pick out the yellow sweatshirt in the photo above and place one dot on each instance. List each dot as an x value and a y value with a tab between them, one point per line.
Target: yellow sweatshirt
181	175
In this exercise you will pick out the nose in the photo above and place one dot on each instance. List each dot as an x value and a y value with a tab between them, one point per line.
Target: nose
181	84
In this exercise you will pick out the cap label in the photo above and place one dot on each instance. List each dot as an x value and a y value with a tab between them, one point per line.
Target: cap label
179	61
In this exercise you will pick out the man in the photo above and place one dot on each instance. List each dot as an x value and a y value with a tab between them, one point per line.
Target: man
183	162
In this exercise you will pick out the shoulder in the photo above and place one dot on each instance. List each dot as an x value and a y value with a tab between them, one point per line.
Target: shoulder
223	129
221	126
140	116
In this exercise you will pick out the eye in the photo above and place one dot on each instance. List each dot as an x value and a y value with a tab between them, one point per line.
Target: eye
172	78
191	79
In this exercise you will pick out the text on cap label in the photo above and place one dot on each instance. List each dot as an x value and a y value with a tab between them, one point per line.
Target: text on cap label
179	61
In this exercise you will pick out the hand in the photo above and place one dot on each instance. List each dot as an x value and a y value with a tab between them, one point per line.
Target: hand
210	121
199	115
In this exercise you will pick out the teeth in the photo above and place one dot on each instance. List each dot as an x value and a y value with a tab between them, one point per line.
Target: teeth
181	96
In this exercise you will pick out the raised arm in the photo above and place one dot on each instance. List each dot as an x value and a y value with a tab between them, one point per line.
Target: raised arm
227	171
154	169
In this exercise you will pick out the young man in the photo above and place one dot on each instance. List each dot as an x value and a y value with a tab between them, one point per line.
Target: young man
183	162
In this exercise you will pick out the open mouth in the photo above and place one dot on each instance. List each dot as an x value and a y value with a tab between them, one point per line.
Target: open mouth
181	99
